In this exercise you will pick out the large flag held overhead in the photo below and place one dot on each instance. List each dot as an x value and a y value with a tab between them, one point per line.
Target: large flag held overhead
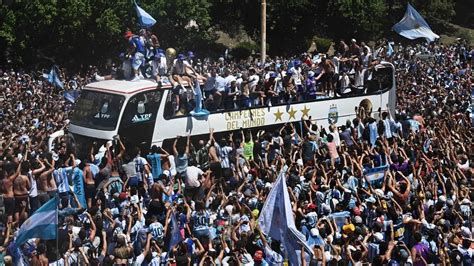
145	19
276	221
414	26
42	224
376	175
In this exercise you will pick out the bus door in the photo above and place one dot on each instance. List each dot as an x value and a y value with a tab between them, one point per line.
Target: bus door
139	118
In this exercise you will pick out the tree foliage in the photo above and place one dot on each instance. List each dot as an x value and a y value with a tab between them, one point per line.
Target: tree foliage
75	32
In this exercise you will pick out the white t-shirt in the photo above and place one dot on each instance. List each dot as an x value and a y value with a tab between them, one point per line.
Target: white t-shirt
192	176
140	164
253	80
179	69
34	189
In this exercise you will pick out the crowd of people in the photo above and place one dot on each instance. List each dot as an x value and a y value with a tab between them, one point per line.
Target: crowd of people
309	76
198	202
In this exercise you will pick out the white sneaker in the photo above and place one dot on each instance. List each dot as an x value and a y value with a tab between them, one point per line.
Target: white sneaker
141	76
136	78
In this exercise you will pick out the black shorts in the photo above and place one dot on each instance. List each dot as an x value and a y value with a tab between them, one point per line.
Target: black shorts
19	200
90	191
9	204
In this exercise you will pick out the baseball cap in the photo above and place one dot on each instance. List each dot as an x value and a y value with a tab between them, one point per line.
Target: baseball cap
466	232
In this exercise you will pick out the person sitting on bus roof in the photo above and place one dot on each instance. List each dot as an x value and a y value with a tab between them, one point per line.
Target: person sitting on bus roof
159	66
179	71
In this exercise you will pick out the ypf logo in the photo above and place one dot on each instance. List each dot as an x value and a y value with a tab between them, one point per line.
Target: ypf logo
333	114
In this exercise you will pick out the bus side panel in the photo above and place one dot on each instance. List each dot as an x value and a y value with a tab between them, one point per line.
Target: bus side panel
323	112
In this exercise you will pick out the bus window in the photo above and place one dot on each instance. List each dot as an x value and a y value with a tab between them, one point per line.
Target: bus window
97	110
381	79
141	108
179	103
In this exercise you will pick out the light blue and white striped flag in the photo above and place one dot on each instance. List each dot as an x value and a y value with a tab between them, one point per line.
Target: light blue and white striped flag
414	26
376	175
145	19
42	224
389	49
276	221
53	78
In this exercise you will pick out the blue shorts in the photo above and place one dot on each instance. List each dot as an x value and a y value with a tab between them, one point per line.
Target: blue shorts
133	181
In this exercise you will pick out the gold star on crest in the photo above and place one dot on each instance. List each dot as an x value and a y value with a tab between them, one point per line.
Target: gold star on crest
278	115
292	113
305	111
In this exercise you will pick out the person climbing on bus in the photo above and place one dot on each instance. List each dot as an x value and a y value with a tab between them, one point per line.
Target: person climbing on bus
137	52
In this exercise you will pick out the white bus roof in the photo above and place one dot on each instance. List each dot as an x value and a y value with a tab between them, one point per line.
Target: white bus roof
127	87
121	86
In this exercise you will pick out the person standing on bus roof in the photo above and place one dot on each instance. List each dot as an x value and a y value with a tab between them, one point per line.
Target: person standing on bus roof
159	66
137	52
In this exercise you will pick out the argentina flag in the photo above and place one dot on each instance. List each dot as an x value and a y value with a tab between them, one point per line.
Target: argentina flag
376	175
42	224
53	78
414	26
145	19
276	221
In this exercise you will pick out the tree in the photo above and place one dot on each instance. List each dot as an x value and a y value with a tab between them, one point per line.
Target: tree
436	9
356	18
76	32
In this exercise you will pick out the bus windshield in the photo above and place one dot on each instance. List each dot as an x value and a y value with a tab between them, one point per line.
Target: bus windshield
97	110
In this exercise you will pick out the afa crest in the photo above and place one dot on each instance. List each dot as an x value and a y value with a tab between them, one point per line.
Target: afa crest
333	114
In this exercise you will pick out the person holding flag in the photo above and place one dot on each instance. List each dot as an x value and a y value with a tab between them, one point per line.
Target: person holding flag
277	222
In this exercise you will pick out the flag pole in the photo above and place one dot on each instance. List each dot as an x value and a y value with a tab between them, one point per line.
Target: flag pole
57	228
263	31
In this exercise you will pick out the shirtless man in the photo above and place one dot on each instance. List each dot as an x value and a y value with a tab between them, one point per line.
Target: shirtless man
21	188
7	191
90	184
43	183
